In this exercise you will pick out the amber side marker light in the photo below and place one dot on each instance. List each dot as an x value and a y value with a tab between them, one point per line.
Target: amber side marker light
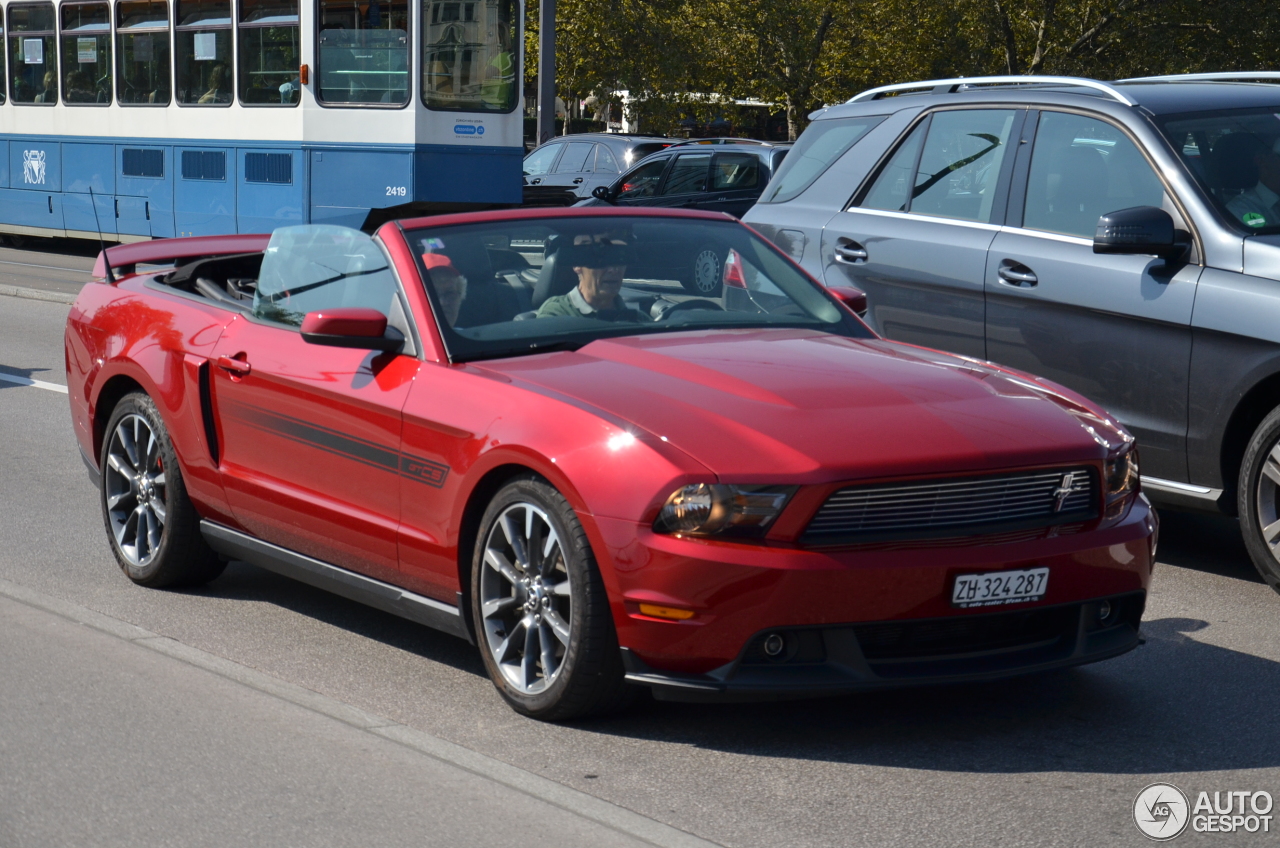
665	612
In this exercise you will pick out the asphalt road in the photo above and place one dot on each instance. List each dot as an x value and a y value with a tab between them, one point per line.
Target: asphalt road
98	735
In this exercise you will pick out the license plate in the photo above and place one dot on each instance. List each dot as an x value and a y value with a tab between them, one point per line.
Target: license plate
996	588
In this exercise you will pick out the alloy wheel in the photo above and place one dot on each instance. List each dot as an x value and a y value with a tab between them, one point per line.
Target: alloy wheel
134	479
525	598
1267	499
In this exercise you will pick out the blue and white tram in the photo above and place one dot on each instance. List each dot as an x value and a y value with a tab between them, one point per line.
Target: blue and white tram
195	117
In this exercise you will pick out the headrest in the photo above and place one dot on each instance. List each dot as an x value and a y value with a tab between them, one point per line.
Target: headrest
596	255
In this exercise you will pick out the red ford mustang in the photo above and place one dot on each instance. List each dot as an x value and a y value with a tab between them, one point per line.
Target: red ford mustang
522	429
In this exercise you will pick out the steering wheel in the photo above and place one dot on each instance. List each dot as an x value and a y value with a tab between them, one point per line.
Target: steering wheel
668	308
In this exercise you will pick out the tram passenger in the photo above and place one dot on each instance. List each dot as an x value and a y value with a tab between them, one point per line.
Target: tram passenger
80	88
219	91
50	93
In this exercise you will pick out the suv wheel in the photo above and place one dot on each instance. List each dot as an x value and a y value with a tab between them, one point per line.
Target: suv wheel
542	617
1259	499
153	526
704	277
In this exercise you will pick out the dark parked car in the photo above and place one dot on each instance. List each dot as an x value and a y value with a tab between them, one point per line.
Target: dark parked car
1122	239
566	170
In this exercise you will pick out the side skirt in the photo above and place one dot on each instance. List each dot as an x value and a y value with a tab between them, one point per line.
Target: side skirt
384	596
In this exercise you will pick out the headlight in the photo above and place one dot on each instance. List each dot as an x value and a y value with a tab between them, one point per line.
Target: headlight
1121	475
716	509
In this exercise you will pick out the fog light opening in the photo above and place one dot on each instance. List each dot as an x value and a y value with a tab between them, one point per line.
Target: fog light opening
774	644
1105	612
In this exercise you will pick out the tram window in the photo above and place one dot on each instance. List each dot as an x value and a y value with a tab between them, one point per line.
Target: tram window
269	53
86	53
33	54
3	96
202	54
470	55
142	45
363	52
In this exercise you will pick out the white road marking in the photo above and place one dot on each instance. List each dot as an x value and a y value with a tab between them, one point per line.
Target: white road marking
47	267
27	381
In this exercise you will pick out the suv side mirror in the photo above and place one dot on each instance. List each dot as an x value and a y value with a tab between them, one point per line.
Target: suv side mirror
356	327
604	193
1138	230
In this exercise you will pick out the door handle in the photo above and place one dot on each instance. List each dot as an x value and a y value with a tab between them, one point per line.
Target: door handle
577	181
239	367
849	252
1016	274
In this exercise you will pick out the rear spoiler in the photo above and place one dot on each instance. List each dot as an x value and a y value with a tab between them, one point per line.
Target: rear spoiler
125	258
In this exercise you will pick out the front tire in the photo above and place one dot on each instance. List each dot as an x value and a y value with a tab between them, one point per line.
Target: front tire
541	614
1258	499
152	526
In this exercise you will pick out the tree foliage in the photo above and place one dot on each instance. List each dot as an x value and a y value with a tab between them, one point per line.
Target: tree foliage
801	54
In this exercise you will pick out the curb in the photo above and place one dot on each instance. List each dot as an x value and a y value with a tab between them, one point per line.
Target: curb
544	789
37	294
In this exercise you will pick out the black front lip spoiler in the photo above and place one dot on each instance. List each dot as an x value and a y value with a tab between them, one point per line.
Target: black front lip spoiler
845	669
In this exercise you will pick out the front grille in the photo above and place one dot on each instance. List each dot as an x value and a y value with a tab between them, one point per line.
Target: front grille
943	637
968	506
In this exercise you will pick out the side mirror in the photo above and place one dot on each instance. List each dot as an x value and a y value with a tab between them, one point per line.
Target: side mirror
356	327
602	193
1138	230
855	299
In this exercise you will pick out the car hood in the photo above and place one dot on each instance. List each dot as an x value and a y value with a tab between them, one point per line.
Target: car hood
801	406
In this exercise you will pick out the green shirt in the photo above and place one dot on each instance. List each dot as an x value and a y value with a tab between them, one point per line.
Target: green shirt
574	305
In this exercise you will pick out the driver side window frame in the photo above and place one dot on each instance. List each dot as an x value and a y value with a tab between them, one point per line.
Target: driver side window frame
1016	211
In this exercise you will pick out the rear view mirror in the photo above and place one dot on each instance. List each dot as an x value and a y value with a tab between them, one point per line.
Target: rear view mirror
356	327
602	193
1141	230
855	299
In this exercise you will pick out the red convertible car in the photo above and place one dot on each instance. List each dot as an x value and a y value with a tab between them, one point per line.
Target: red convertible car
516	427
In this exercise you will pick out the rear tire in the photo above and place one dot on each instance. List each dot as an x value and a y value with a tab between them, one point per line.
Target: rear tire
1258	499
151	523
542	617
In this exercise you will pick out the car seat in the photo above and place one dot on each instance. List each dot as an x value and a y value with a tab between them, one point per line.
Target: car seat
1081	193
1232	165
554	279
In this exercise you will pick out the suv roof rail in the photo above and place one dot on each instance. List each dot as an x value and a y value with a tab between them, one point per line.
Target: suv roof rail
1217	76
950	86
723	141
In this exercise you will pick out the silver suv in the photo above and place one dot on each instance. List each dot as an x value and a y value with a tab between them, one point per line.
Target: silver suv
1121	238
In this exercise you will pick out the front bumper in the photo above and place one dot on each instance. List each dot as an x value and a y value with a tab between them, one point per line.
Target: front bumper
737	592
837	659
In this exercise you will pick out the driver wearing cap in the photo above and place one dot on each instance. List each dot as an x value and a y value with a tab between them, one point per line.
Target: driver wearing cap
600	261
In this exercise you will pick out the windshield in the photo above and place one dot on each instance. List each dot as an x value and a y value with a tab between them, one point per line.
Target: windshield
507	288
1235	156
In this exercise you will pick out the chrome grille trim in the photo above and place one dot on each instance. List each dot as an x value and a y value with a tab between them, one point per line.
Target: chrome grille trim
954	507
